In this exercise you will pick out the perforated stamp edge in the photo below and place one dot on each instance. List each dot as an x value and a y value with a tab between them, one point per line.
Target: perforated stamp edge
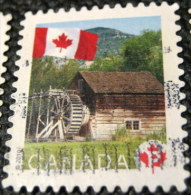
16	179
4	28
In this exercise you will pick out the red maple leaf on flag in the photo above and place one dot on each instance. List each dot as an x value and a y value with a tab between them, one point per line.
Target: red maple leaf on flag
62	41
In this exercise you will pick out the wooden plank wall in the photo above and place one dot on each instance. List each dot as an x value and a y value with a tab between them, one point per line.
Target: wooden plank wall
105	123
130	101
113	111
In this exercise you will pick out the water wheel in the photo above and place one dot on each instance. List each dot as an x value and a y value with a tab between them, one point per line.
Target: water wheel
62	115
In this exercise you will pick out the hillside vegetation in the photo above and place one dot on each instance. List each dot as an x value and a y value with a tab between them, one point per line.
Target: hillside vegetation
109	41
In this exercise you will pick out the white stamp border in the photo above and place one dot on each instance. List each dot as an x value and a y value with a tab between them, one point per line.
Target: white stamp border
174	121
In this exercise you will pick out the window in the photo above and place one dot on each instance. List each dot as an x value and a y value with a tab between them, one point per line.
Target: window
132	125
129	125
135	125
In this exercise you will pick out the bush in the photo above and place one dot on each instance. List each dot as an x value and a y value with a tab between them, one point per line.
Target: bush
158	135
88	138
122	134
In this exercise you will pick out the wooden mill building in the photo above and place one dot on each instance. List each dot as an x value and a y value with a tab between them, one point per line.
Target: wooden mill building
134	100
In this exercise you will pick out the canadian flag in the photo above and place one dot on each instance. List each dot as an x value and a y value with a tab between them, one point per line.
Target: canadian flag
69	43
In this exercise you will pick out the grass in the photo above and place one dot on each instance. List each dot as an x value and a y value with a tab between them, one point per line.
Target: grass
64	151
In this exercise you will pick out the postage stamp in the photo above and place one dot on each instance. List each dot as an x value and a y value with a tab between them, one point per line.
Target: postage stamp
98	101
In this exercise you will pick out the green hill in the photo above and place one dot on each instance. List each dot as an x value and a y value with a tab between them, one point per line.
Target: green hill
109	40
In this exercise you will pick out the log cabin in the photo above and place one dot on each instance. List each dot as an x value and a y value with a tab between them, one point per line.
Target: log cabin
134	100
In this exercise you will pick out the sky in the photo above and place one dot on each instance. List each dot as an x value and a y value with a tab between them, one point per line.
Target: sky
127	25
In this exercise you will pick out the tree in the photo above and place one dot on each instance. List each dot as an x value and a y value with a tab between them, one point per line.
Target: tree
110	63
143	53
46	72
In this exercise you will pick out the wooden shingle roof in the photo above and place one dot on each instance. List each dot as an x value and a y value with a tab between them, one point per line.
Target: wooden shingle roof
122	82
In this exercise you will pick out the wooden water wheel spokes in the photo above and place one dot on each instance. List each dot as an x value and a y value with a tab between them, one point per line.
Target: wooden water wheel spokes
59	119
62	111
58	113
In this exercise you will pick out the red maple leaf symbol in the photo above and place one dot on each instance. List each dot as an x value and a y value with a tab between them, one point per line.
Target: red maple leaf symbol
157	160
62	41
144	158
